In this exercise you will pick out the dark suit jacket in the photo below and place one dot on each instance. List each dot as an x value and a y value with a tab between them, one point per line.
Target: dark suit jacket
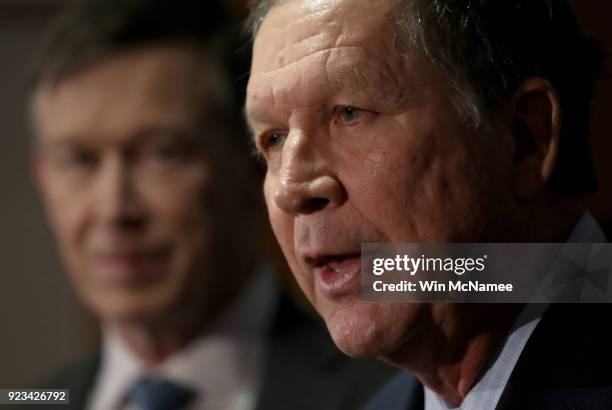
566	365
304	371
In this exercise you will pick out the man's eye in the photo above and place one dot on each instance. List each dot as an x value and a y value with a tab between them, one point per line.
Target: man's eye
350	114
273	140
169	153
79	159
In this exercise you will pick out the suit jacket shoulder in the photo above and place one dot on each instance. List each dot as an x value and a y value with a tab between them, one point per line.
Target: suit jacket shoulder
78	378
305	371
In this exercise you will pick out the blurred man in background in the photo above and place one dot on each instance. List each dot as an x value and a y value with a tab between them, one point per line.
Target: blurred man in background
153	200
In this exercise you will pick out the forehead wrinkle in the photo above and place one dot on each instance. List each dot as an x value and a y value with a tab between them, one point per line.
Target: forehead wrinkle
354	77
312	41
281	90
281	67
325	30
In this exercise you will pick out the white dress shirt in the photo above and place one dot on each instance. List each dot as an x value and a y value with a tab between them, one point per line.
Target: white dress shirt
224	367
485	394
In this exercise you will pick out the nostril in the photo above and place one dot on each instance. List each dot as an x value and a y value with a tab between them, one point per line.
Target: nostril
315	204
309	195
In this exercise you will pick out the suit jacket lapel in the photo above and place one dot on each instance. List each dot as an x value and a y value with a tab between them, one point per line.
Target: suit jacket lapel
78	378
566	363
403	392
285	369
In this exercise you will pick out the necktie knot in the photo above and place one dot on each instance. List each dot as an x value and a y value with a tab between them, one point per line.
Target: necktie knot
157	394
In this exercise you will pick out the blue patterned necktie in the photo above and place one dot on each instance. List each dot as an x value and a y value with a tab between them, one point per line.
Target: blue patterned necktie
158	394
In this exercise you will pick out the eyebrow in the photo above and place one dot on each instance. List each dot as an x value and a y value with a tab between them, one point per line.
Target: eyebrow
255	113
254	151
358	79
58	142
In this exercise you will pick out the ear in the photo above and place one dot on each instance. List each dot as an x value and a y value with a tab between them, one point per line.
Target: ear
534	114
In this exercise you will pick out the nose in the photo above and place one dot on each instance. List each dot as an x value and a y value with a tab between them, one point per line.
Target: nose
306	181
116	201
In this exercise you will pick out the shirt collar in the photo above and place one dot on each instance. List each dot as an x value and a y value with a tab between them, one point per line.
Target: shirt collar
587	230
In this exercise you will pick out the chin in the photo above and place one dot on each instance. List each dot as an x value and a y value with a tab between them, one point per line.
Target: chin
129	312
367	330
131	307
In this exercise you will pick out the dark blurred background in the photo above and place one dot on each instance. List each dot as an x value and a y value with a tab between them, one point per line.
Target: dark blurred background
42	325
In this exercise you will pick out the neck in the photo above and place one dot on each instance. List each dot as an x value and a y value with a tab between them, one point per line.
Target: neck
156	339
452	361
153	346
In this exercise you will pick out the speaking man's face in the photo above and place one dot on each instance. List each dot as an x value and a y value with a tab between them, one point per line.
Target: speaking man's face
137	177
363	144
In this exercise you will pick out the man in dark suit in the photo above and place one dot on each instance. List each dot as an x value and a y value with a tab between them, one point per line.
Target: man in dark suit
152	198
433	121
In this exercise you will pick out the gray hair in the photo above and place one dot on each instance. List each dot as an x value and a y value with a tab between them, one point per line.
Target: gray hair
487	48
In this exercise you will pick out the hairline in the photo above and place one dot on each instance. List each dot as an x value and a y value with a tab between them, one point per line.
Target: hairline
212	82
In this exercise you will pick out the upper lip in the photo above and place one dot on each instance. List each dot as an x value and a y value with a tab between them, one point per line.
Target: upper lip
318	260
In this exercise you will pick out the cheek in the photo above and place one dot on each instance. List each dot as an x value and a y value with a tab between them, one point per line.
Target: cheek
283	228
280	221
430	193
392	186
179	207
67	214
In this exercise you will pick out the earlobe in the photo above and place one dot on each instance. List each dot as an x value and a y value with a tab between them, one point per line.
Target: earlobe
535	118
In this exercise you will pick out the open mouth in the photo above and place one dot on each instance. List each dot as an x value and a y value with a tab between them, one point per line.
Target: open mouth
339	274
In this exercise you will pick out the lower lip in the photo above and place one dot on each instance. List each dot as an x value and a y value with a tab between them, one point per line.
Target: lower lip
340	282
